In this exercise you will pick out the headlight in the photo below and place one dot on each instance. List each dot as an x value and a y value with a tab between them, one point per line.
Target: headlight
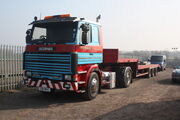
28	74
67	77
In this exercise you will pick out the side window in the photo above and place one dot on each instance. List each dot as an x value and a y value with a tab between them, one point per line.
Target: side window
95	35
92	35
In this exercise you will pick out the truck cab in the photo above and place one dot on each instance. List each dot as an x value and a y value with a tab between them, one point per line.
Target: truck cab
159	59
63	53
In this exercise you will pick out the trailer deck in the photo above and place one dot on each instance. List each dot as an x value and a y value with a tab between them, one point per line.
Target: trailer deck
112	59
140	67
127	60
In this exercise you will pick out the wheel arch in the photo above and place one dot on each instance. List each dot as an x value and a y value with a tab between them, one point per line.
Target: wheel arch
94	68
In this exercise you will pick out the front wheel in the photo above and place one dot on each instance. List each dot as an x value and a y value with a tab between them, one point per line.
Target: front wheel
93	86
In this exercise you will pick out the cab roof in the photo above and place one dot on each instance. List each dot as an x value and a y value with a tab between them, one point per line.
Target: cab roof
62	18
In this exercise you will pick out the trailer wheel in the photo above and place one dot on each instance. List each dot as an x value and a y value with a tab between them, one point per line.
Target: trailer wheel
123	77
155	72
149	74
93	86
152	72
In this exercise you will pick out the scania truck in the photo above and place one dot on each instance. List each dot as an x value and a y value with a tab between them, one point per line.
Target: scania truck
66	53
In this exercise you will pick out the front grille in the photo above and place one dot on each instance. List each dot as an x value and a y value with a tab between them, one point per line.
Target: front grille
48	65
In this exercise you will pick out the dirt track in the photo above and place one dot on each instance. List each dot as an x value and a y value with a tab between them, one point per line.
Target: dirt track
146	99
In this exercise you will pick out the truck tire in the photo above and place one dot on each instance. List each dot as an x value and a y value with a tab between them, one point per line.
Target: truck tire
152	72
123	77
155	72
93	87
149	74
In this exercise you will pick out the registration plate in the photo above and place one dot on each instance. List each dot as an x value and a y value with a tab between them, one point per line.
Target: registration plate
66	85
44	88
46	48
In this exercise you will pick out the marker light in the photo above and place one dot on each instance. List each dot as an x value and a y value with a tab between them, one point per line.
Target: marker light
48	17
61	16
65	15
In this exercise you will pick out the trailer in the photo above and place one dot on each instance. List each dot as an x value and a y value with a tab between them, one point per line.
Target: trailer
125	69
66	53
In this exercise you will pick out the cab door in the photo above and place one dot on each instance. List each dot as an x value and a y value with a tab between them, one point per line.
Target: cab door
90	50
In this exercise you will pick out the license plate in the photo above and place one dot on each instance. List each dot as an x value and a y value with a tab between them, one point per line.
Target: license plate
44	89
46	48
66	85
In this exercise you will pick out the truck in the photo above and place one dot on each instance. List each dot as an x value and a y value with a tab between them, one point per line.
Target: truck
66	53
160	60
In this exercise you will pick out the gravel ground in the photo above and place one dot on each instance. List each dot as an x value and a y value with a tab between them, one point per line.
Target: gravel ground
146	99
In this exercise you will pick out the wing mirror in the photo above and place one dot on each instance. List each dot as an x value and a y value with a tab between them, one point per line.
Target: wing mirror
85	28
28	32
28	35
84	38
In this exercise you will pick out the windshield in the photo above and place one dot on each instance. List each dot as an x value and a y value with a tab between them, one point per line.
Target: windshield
156	58
64	32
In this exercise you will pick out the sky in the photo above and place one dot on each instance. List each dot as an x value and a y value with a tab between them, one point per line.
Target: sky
127	24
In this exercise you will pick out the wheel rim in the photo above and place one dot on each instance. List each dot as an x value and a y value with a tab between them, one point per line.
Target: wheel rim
128	77
94	86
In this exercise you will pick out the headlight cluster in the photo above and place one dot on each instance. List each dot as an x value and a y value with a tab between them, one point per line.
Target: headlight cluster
67	77
28	73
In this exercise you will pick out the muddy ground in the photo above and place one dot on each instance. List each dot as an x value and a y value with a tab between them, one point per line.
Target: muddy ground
146	99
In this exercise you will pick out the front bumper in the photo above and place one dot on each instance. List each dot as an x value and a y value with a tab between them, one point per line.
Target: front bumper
70	86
